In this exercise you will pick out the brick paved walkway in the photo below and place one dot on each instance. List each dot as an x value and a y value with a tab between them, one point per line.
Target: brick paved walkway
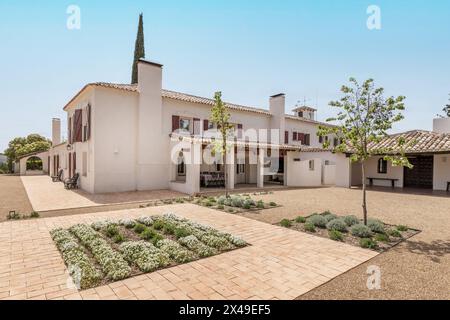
279	264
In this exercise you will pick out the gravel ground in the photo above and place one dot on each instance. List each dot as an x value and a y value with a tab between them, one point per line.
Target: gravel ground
13	196
418	268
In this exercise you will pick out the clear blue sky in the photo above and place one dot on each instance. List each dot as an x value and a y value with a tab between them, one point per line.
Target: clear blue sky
247	49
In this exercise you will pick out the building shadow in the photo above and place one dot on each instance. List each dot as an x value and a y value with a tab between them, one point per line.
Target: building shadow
433	250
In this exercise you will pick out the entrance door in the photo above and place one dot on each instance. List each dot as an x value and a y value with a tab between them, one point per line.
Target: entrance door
421	175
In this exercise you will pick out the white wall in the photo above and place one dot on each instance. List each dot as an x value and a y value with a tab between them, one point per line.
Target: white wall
392	173
299	174
23	164
343	171
441	171
329	174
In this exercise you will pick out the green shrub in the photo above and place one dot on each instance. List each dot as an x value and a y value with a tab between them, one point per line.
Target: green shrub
127	223
376	226
351	220
12	215
111	230
145	220
221	200
118	238
260	204
179	200
286	223
208	203
34	214
318	221
382	237
169	228
220	207
181	233
395	233
337	225
230	210
361	231
158	224
402	228
335	235
148	234
175	250
300	219
249	202
192	243
329	216
273	204
309	226
144	255
236	201
367	243
139	228
246	206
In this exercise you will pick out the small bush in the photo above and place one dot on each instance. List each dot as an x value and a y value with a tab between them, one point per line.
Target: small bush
34	214
127	223
309	226
246	206
158	225
249	202
273	204
395	233
329	216
382	237
236	202
402	228
376	226
367	243
335	235
221	200
139	228
361	231
337	225
179	200
260	204
318	221
145	220
300	219
286	223
12	215
118	238
220	207
351	220
230	210
111	230
181	233
148	234
208	203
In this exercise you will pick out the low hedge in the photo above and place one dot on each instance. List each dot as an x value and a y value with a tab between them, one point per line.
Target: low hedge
144	255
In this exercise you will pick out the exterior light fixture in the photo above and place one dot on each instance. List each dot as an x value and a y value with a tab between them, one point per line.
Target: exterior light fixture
69	147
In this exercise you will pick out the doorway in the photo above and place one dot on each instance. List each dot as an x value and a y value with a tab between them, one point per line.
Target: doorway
421	175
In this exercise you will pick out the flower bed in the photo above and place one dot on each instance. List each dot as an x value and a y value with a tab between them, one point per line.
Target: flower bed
237	203
377	235
129	247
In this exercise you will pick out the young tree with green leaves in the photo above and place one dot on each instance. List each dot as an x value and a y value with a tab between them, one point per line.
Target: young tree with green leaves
221	117
139	50
447	108
363	119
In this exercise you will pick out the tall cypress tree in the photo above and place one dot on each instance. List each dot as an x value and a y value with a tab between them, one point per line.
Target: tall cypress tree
139	50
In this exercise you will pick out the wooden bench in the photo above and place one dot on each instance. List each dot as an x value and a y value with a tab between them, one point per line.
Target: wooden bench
58	177
382	179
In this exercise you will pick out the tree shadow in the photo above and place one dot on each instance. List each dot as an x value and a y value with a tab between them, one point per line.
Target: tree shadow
433	250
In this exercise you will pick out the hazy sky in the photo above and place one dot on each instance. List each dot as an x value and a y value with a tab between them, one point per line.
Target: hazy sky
247	49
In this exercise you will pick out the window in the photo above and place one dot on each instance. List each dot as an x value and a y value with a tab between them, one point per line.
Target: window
320	139
294	136
240	168
181	167
218	167
185	124
311	165
382	166
336	142
307	139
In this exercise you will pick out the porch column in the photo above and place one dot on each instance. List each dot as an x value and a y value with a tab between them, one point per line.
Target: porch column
285	165
260	168
230	168
193	168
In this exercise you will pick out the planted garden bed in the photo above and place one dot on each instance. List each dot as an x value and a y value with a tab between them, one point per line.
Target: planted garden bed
377	235
107	251
237	203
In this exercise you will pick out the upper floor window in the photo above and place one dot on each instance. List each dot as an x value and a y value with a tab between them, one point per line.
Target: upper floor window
185	124
382	166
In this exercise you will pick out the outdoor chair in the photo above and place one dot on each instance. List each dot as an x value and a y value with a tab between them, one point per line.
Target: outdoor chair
58	177
72	183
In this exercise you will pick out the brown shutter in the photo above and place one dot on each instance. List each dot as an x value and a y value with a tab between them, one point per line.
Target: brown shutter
294	136
69	130
196	126
88	133
286	137
301	137
205	124
175	123
320	139
78	126
239	127
307	139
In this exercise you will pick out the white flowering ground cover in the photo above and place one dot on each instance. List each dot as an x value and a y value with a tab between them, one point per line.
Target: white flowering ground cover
107	251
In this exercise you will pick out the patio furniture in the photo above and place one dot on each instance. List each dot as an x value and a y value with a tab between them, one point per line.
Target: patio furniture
72	183
382	179
58	177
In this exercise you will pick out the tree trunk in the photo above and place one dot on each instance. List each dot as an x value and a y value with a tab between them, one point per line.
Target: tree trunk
364	204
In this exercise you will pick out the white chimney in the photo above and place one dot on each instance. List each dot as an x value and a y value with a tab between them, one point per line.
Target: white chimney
56	131
277	106
441	125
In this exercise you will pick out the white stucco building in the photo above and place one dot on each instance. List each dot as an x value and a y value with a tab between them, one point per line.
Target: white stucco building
141	137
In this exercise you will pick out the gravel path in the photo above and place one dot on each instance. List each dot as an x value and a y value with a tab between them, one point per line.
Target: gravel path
13	196
416	269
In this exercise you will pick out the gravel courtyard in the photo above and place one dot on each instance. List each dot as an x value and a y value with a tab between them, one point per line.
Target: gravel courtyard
418	268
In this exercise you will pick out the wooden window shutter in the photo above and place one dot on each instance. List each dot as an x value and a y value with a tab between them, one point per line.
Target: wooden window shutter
69	130
294	136
88	131
239	133
320	139
307	139
175	123
301	137
286	137
205	124
196	126
78	126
